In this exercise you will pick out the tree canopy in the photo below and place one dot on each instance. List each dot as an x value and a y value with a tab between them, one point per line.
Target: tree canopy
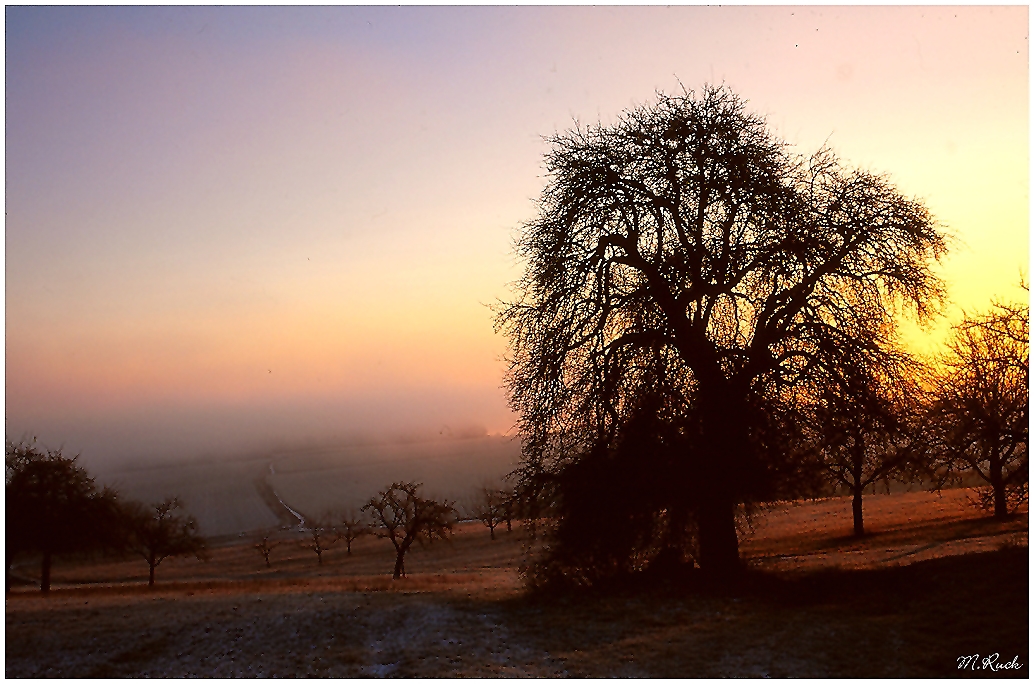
156	532
53	506
686	248
402	516
867	426
979	411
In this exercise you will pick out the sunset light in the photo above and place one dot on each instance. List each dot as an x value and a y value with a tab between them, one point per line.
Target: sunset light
284	208
592	341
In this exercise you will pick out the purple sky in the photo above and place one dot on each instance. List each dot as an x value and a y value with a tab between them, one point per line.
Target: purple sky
234	227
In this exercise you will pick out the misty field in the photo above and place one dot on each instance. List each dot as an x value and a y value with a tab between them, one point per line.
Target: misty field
934	581
226	495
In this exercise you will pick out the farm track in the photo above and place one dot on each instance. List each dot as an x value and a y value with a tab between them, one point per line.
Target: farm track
284	513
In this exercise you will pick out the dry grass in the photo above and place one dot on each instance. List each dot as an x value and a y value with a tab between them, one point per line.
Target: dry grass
900	528
899	602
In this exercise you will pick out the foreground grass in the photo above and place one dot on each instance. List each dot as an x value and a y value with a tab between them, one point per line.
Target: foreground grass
912	621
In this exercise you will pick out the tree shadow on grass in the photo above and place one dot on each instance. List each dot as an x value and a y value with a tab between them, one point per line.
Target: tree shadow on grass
907	621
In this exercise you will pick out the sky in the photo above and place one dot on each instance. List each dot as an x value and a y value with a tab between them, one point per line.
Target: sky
237	229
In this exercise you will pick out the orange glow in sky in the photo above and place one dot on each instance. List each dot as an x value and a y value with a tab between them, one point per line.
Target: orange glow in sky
231	226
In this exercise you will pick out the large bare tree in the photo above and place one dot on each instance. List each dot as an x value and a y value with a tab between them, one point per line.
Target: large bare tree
686	232
980	408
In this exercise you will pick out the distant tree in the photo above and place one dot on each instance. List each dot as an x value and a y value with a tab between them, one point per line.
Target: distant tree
321	535
685	229
866	422
265	547
157	532
979	409
403	517
509	506
489	507
351	527
52	506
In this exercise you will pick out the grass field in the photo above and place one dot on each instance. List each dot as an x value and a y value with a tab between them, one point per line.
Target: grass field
933	582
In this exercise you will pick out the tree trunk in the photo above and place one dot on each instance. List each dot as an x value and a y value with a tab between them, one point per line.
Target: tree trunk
44	584
1001	503
724	459
7	585
400	567
150	574
491	531
719	545
856	507
998	486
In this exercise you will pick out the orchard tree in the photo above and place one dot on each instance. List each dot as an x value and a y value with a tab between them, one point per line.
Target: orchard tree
490	508
265	547
509	506
866	424
53	506
157	532
687	231
403	517
351	527
320	535
979	408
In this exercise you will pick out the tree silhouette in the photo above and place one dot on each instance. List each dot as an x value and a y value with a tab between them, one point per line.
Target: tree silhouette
687	231
403	517
867	426
157	532
489	507
351	527
52	506
321	535
509	506
979	409
265	547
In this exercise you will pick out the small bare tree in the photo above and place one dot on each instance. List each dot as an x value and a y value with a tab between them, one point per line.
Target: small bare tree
321	535
488	508
156	532
979	412
352	527
403	517
265	547
508	507
866	420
